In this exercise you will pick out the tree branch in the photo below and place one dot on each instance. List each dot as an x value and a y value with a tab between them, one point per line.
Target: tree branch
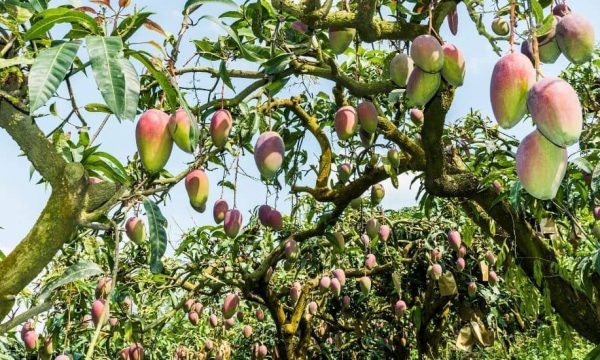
56	225
574	306
369	31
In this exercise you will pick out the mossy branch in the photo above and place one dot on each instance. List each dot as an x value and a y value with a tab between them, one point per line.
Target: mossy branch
57	224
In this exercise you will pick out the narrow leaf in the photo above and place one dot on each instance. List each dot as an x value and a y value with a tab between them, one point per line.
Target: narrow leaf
131	24
276	64
247	55
538	12
596	178
51	17
192	5
132	89
95	107
583	164
225	75
160	77
158	235
78	271
105	53
48	71
39	5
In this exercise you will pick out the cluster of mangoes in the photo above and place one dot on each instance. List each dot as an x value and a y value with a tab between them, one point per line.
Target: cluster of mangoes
155	134
552	102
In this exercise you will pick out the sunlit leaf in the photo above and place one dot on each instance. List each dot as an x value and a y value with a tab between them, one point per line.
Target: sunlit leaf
157	236
48	71
78	271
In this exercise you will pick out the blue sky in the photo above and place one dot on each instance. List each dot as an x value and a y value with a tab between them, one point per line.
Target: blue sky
23	199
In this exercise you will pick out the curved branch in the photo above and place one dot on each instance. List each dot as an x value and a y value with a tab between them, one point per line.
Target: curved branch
574	306
331	72
242	74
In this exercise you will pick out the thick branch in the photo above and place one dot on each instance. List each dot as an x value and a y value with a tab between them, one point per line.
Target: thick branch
56	225
331	72
371	30
575	307
437	181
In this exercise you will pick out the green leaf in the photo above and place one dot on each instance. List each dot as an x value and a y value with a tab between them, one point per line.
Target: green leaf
51	17
80	270
160	77
19	11
596	178
416	315
105	54
131	24
583	164
537	10
48	71
158	235
205	49
546	26
514	196
105	164
225	75
276	64
193	5
274	87
594	354
95	107
247	55
270	9
39	5
132	89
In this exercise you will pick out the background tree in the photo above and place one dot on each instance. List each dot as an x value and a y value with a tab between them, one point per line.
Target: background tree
528	266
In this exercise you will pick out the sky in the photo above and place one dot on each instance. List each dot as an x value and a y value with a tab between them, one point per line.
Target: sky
23	200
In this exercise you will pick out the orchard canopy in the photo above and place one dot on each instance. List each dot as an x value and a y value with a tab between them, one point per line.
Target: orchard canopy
285	123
